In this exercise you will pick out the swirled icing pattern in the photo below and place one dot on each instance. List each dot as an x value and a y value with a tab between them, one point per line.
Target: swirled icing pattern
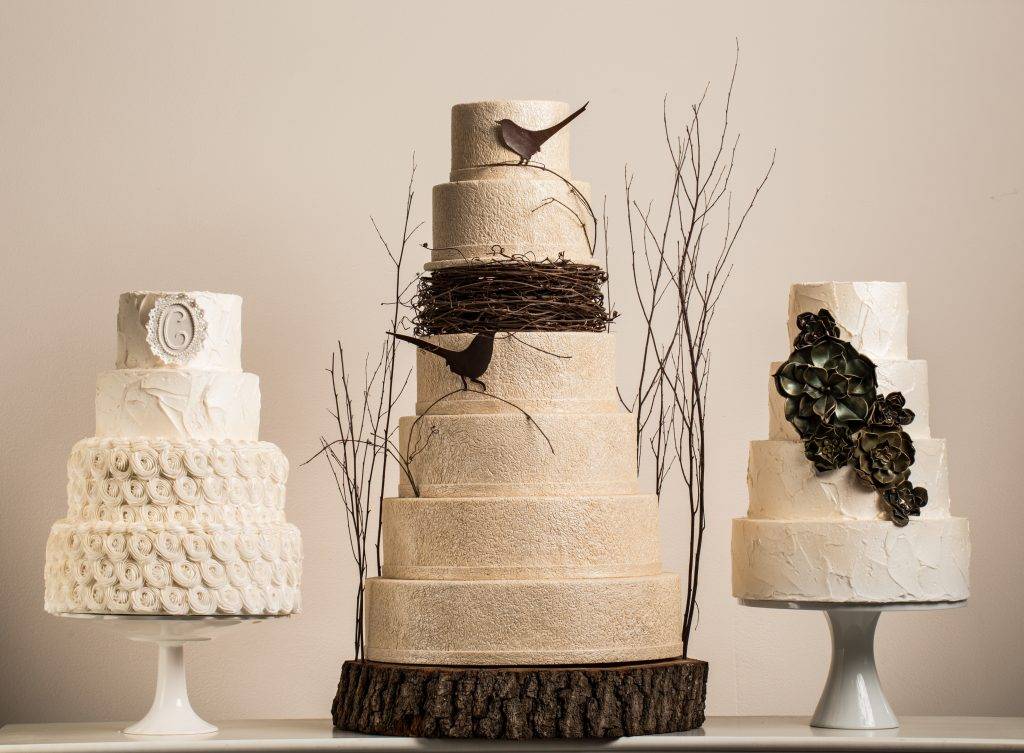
174	527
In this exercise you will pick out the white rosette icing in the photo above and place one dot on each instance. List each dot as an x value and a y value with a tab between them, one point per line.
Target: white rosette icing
201	601
144	462
118	600
157	573
129	575
174	600
134	491
238	573
213	573
229	600
145	600
95	598
254	601
185	574
103	572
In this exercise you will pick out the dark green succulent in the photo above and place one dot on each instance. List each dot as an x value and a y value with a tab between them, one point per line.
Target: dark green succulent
815	327
882	457
888	410
903	501
826	383
829	447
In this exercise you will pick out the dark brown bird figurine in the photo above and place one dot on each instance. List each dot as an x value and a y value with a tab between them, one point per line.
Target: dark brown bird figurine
527	143
469	363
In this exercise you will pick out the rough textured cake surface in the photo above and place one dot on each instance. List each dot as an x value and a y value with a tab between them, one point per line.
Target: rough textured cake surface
175	507
824	536
519	536
494	208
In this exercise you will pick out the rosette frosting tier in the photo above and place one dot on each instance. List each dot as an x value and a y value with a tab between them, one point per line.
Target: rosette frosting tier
175	507
823	536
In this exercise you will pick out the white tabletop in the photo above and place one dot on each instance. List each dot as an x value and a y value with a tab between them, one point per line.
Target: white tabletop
719	734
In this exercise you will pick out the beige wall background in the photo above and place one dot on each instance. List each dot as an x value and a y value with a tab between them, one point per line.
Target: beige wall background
242	146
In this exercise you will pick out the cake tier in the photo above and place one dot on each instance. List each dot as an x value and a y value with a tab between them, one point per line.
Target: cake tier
523	622
522	216
476	140
784	485
510	538
121	568
156	482
850	561
198	330
873	316
507	454
544	372
908	377
178	404
160	527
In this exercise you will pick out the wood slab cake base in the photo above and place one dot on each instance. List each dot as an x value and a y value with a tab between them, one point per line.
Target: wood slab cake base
519	703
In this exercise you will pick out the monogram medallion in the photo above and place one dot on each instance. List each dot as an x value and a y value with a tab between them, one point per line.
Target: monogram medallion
176	329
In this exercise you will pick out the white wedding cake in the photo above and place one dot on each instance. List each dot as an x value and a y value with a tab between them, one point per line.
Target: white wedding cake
175	507
519	535
825	536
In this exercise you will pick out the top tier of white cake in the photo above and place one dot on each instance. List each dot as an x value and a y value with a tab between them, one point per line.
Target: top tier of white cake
173	330
873	316
476	140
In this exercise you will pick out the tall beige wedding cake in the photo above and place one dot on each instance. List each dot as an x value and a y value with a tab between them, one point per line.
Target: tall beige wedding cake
519	536
824	536
175	507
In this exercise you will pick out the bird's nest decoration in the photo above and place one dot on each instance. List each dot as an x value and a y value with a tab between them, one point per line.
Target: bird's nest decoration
512	295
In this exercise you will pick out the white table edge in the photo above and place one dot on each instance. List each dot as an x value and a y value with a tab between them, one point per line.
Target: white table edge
979	734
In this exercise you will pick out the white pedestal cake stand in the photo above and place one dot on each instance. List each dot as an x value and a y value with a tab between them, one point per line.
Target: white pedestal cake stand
853	696
171	712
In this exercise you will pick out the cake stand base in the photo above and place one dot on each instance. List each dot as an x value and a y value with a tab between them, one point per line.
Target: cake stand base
853	696
520	703
171	712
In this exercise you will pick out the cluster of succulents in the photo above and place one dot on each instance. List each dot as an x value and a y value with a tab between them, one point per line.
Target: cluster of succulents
832	400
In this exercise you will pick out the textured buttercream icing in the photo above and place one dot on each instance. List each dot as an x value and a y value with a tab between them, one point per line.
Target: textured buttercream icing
542	372
873	316
870	561
826	537
175	507
784	485
508	538
178	404
218	346
523	622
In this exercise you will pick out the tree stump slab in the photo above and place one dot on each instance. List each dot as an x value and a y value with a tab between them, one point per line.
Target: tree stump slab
520	703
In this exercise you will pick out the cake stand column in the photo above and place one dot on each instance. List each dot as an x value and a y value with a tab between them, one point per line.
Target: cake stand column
853	696
171	712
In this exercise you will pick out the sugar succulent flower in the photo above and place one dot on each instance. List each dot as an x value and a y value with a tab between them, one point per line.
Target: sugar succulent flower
826	383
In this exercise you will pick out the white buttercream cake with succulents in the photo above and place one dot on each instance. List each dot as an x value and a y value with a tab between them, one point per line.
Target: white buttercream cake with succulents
849	495
175	507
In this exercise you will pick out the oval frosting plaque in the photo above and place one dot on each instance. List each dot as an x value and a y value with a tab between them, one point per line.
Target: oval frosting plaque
176	329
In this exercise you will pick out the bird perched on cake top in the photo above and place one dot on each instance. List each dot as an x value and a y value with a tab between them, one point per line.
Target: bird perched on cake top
527	143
